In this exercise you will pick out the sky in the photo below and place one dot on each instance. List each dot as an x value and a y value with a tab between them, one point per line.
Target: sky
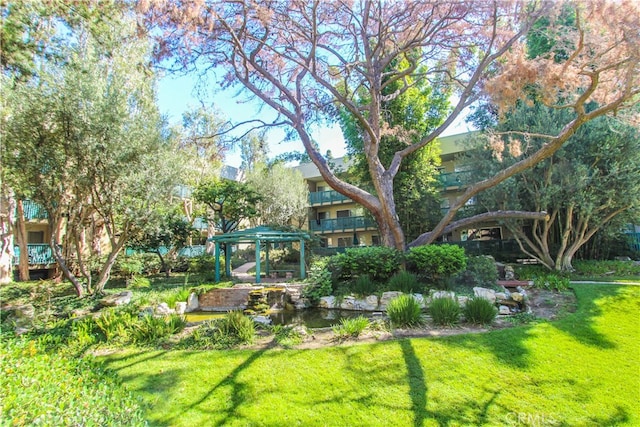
177	94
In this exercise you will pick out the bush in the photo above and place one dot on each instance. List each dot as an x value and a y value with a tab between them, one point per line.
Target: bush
599	268
319	281
286	336
150	329
205	264
179	296
404	311
404	281
481	271
232	330
69	390
479	311
128	266
437	262
114	323
139	282
444	311
551	282
364	286
378	262
350	328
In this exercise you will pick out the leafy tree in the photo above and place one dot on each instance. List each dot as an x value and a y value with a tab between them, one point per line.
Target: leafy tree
589	182
307	60
80	141
283	194
168	229
229	202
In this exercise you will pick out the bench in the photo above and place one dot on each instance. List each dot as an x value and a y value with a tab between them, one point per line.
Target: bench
288	274
527	261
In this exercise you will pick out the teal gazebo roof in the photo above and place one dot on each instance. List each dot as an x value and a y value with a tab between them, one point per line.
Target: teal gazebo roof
258	235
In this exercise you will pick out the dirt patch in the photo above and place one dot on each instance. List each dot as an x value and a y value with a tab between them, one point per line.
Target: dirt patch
547	305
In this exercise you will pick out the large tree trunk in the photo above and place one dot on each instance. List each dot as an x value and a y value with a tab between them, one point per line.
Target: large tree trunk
7	209
105	272
21	237
57	253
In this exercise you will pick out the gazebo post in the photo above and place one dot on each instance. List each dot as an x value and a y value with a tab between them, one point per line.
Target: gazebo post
227	259
302	269
266	267
217	254
257	260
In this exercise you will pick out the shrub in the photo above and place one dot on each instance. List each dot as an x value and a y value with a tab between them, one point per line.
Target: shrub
232	330
205	264
318	281
70	390
129	265
114	324
139	282
178	296
551	282
437	262
363	286
286	336
350	328
404	311
378	262
480	271
404	281
151	329
444	311
479	311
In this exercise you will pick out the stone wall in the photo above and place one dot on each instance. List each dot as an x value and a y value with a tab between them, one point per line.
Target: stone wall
226	299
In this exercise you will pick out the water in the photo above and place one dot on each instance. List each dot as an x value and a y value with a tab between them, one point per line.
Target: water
313	318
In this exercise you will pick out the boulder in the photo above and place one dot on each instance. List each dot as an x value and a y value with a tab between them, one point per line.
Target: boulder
443	294
462	301
163	309
502	296
114	300
509	273
192	303
387	297
181	307
348	303
420	299
147	311
488	294
504	310
327	302
263	320
517	296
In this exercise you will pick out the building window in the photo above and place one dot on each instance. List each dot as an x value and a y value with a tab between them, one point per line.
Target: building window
492	233
343	214
345	242
375	240
35	237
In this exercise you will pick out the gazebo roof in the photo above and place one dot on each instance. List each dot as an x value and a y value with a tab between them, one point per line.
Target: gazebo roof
262	233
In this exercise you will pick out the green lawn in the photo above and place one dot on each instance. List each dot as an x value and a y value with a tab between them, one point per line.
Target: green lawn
582	370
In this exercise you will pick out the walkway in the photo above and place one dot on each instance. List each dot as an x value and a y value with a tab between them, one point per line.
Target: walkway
241	274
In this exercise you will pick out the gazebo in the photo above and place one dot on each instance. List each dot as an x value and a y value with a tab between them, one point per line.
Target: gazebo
258	236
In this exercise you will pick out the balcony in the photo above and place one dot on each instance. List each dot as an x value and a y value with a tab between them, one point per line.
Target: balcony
455	179
334	225
33	211
326	198
39	254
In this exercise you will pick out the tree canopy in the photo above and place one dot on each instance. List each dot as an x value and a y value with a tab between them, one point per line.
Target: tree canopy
308	60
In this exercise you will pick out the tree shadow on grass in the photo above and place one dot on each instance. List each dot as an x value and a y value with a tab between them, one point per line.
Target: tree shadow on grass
417	382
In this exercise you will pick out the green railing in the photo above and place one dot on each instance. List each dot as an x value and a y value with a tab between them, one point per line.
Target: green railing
326	197
39	254
33	210
455	179
341	224
187	251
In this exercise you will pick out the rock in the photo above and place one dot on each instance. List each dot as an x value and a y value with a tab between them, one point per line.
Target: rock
327	302
181	307
117	299
623	258
517	296
387	297
504	310
502	296
163	309
462	301
509	274
443	294
192	303
301	330
488	294
420	299
263	320
147	311
348	303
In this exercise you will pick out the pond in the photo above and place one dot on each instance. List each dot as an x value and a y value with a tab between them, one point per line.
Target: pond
313	318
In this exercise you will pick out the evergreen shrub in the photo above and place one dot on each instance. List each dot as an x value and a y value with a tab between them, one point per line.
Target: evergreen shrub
405	282
437	262
404	311
444	311
479	311
378	262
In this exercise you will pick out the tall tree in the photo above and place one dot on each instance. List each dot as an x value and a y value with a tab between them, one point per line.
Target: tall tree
308	59
80	139
589	182
283	194
229	202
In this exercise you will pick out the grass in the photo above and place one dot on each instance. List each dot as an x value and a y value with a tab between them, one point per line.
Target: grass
582	370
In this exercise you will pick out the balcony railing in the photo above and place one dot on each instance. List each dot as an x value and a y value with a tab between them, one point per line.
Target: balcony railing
33	210
341	224
39	254
326	198
455	179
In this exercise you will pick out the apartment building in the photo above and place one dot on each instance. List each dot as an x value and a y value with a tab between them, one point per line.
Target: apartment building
341	222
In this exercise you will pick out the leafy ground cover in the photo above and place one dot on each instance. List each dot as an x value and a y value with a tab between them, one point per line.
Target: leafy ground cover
580	370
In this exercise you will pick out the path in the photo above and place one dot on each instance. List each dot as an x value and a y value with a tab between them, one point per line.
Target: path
241	274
